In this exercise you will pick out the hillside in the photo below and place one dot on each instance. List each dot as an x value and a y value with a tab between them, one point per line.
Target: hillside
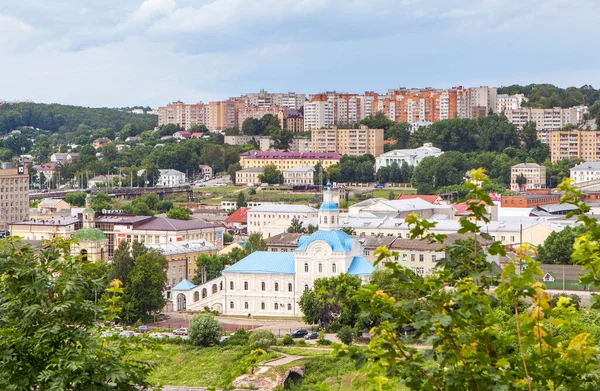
63	118
548	95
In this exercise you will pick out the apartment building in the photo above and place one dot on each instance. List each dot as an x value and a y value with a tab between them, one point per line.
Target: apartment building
574	143
505	102
287	160
318	112
257	112
535	175
260	216
353	142
546	120
223	115
481	100
585	172
292	120
298	144
290	100
183	114
14	195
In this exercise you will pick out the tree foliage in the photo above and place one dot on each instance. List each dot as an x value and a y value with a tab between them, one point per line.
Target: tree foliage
271	174
49	337
558	246
144	294
179	213
204	330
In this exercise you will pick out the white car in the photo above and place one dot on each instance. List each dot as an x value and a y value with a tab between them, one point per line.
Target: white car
181	331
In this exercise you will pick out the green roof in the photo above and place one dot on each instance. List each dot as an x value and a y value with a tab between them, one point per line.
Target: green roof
89	235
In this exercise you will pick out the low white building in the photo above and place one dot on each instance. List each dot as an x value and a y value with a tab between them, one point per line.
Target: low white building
263	215
585	172
232	205
411	156
168	177
535	176
301	175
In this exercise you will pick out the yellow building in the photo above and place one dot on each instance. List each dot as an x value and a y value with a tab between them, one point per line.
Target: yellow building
45	229
574	143
288	160
14	195
351	142
292	120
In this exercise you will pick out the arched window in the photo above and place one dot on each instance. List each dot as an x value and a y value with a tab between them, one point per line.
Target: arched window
306	268
276	306
84	253
324	219
320	268
204	293
333	268
245	285
290	287
196	296
262	306
220	286
245	305
289	307
276	287
214	288
305	287
230	285
332	219
231	305
263	286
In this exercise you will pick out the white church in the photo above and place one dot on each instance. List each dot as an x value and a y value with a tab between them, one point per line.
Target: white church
271	283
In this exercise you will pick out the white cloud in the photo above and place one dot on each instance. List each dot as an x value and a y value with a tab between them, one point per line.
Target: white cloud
13	32
153	8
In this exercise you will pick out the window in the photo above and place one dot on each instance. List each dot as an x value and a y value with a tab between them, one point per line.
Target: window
276	306
245	285
306	268
334	268
231	305
412	257
262	306
290	287
320	268
231	285
367	253
421	257
289	307
433	258
405	257
276	287
220	286
512	239
263	286
502	238
245	305
324	219
305	287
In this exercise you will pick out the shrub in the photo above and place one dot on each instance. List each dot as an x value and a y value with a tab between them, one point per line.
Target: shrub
287	340
239	338
324	342
575	299
301	343
204	330
346	334
262	339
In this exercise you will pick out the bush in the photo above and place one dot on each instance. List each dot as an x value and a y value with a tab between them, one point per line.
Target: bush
239	338
575	299
204	330
262	339
227	238
324	342
346	334
287	340
301	343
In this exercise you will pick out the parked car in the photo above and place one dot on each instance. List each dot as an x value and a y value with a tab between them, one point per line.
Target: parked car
126	334
312	335
300	333
249	184
379	185
158	336
143	329
181	331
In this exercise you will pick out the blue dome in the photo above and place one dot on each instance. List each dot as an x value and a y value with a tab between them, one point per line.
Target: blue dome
338	240
329	207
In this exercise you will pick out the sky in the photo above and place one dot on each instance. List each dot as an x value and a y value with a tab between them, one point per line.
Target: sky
119	53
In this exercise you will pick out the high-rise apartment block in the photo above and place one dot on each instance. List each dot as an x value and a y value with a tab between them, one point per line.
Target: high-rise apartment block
481	100
14	195
223	115
352	142
256	112
289	100
547	119
505	102
182	114
318	112
574	143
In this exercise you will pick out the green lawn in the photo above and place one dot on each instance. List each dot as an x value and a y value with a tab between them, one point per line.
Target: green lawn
182	365
301	351
384	193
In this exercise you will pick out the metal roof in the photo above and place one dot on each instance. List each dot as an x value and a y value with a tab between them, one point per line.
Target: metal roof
360	266
338	240
265	262
184	285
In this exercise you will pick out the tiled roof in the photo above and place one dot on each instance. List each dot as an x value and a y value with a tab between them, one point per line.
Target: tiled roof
284	239
239	216
264	262
338	240
360	266
184	285
428	198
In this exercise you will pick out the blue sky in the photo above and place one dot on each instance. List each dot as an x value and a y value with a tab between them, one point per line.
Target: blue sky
150	52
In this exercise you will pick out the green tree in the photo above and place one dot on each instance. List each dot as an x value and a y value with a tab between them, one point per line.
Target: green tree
296	226
179	213
232	170
241	200
521	181
262	338
254	243
251	127
101	201
331	301
528	135
558	246
204	330
144	294
346	334
271	174
282	139
50	338
124	260
76	199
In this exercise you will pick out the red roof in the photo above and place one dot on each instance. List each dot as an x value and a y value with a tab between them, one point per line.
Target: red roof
429	198
254	154
461	208
239	216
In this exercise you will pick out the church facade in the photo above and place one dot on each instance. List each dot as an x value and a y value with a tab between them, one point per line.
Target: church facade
271	283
